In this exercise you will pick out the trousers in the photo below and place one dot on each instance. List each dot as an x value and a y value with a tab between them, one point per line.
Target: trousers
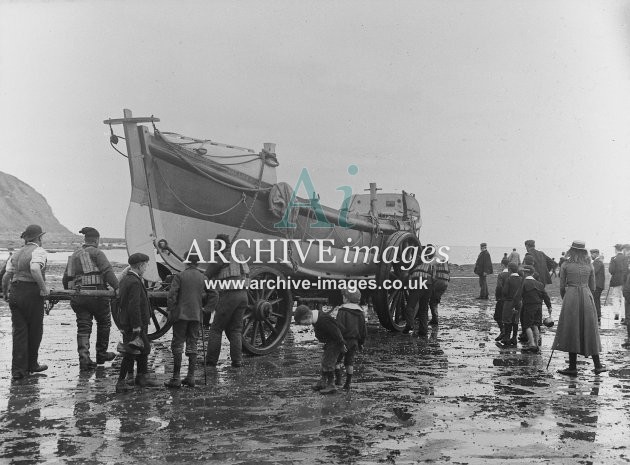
27	320
88	309
228	318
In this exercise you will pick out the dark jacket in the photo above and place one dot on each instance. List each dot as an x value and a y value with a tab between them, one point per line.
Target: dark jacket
618	269
534	293
512	288
327	329
484	263
134	302
543	265
626	290
501	280
351	322
185	297
600	274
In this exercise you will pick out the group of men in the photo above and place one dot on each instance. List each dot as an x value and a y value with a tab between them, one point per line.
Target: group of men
88	269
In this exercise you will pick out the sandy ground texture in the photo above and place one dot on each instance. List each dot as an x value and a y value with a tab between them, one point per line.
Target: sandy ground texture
453	397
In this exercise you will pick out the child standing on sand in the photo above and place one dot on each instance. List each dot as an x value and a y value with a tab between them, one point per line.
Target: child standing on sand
533	295
511	305
326	331
502	278
351	321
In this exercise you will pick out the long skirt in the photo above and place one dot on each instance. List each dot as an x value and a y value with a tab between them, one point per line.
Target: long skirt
578	330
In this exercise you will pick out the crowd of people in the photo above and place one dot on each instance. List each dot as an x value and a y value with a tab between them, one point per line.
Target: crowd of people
520	293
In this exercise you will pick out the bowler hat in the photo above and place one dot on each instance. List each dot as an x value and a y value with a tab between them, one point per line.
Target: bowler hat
137	257
548	322
578	245
89	232
32	231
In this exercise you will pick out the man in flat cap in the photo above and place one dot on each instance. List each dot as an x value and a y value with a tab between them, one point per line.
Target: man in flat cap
24	286
483	267
134	320
600	279
89	269
542	263
618	269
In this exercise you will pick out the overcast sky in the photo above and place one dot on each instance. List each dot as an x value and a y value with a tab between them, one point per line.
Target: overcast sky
509	120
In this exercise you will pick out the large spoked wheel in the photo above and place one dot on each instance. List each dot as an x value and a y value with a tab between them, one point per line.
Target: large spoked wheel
158	321
389	304
268	315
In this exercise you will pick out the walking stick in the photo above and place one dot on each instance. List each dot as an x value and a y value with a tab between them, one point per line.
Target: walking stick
203	347
606	299
552	350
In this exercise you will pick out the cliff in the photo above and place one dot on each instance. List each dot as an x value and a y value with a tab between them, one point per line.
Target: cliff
21	205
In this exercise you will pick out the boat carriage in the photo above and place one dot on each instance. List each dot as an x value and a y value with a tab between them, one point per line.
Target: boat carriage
186	189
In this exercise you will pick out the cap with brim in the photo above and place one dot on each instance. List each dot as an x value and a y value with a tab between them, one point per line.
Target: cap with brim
32	231
528	269
578	245
137	257
88	231
483	244
530	243
594	251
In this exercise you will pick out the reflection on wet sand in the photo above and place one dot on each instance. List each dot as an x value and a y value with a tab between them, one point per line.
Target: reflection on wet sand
450	397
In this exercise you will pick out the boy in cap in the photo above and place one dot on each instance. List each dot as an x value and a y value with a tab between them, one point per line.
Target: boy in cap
498	294
327	331
511	305
533	294
185	300
134	318
351	321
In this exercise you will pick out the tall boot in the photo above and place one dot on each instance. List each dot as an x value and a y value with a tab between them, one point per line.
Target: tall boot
599	368
189	380
346	386
501	334
507	331
175	382
513	341
572	370
102	343
321	383
83	347
121	385
330	386
337	376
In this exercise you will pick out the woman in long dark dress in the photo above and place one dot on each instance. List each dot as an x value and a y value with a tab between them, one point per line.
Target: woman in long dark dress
578	331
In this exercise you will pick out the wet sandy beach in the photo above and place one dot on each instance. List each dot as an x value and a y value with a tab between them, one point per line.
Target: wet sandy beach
453	397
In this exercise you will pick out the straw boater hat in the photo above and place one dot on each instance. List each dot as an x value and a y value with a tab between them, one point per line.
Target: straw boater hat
578	245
